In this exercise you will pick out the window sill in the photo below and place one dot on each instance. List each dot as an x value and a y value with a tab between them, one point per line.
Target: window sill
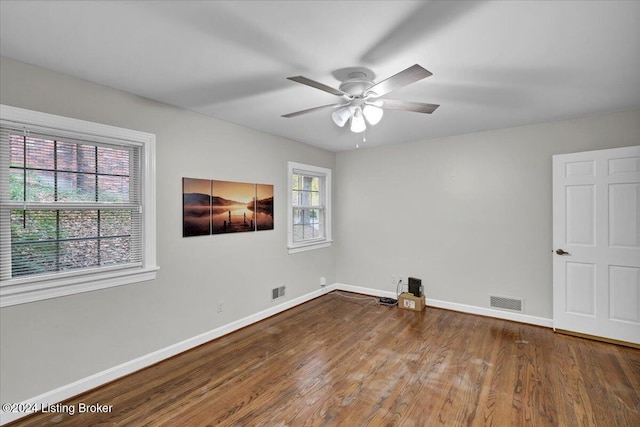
22	293
303	247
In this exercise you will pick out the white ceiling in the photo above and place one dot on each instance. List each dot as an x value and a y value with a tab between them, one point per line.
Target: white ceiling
495	64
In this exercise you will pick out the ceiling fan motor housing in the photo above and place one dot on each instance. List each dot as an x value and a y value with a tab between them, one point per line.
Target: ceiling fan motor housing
356	84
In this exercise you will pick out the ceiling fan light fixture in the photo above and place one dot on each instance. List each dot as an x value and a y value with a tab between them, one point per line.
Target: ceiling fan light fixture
373	114
341	116
357	121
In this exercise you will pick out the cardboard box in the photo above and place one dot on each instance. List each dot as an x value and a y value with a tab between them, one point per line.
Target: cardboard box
408	301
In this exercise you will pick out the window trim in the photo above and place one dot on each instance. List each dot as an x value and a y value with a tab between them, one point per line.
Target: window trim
36	288
325	174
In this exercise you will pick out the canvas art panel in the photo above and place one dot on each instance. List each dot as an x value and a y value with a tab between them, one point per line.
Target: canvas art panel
264	207
233	207
196	207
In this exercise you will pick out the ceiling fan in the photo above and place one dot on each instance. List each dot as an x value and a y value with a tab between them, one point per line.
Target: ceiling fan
361	97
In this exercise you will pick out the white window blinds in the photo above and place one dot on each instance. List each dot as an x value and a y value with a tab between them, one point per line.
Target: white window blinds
69	202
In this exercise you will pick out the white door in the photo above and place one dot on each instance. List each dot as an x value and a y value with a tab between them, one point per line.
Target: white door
596	243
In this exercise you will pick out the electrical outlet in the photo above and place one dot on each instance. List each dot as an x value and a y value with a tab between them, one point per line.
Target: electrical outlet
277	292
220	306
394	279
323	281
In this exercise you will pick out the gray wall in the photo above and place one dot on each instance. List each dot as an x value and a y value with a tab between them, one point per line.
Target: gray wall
51	343
469	215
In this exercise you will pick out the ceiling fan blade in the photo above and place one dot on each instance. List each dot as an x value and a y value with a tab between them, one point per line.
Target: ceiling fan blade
403	78
318	85
310	110
418	107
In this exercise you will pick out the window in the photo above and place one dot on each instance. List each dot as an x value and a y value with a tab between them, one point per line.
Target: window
77	209
309	207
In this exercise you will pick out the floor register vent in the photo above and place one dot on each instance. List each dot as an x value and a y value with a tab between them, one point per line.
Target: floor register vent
277	292
505	303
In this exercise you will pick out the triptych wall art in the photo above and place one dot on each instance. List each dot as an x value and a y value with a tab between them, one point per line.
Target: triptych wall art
216	207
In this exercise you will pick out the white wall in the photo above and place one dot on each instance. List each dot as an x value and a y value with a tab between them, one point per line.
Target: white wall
51	343
470	215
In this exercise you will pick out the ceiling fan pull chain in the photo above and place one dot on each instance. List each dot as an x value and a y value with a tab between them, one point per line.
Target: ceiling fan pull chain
364	138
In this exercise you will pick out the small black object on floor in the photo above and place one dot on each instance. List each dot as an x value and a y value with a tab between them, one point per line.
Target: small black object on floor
388	301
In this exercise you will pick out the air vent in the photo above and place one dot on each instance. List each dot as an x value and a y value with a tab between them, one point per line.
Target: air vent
277	292
506	303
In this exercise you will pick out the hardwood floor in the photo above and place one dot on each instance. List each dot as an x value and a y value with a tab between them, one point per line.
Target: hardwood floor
338	361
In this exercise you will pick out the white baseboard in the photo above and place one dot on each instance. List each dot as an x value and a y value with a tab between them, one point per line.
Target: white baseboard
85	384
490	312
464	308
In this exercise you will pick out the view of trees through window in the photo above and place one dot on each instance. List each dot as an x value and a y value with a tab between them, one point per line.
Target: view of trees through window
307	207
77	200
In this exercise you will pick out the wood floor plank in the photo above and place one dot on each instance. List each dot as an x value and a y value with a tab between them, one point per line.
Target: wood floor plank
338	361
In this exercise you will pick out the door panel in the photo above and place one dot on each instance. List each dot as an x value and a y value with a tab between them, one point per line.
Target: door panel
581	288
624	218
624	284
580	220
596	222
580	168
624	165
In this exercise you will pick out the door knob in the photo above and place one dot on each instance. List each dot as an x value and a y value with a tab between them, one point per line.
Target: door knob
562	252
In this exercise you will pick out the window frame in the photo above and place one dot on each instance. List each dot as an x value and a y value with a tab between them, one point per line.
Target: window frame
26	289
325	198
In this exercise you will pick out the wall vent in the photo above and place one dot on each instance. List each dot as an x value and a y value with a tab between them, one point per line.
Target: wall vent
506	303
277	292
